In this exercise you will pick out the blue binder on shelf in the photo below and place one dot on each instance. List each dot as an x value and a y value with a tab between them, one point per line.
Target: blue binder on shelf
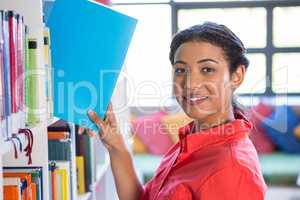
89	43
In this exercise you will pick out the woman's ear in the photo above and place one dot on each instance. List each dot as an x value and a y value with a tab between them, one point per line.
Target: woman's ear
237	77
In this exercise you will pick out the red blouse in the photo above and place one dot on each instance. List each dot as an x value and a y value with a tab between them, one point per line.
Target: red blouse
216	163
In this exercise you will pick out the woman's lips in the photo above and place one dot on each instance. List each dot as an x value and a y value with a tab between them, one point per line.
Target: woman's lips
194	100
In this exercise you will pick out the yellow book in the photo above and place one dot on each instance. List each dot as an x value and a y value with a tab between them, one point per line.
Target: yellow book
80	174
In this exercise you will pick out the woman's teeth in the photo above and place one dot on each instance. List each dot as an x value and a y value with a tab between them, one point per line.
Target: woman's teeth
197	98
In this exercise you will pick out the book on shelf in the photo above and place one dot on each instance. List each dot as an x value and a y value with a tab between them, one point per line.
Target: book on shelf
27	190
12	22
80	174
32	83
2	89
59	143
58	135
64	175
12	188
6	73
85	148
36	179
52	181
19	88
20	60
48	67
59	125
59	150
60	180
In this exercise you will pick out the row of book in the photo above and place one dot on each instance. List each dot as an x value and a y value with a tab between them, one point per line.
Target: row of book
85	161
19	74
22	183
25	183
59	153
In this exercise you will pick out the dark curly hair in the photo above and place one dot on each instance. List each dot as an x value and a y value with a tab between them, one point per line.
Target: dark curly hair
215	34
218	35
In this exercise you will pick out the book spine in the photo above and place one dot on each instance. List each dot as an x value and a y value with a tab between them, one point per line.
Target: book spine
80	174
12	21
20	68
2	82
32	83
48	67
12	44
7	81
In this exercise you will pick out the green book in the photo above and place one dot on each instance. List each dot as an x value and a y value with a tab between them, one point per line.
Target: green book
88	162
32	87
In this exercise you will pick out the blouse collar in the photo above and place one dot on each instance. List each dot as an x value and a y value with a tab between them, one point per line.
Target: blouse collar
235	129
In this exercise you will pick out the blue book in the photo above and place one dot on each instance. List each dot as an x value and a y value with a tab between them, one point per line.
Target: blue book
89	43
7	81
2	94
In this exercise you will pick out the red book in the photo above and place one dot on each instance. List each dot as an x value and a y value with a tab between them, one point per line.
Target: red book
12	55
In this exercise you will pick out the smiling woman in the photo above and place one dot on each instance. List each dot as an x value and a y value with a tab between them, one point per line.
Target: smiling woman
209	63
214	158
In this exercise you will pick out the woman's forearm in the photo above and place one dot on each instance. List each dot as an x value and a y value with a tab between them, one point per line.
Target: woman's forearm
127	183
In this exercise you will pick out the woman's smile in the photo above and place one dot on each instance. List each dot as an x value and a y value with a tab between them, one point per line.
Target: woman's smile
194	100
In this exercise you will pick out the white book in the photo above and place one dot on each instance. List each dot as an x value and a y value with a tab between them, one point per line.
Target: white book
65	165
59	190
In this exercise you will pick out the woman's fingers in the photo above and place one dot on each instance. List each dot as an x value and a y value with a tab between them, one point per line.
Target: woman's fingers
94	117
80	130
91	133
111	116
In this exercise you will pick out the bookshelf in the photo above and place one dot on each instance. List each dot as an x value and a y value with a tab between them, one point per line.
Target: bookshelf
103	187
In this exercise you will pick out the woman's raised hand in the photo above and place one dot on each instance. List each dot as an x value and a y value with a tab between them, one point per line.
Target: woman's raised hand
108	130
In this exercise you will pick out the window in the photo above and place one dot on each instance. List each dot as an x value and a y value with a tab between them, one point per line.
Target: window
147	64
250	20
255	80
286	32
286	73
267	28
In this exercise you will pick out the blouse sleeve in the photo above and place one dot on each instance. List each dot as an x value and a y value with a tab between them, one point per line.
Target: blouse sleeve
233	183
146	190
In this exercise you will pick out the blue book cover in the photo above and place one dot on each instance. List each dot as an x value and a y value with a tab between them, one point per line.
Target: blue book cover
89	43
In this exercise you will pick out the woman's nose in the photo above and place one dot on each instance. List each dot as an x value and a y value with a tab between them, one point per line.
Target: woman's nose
193	81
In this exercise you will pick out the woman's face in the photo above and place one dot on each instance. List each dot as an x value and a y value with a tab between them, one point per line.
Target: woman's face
202	83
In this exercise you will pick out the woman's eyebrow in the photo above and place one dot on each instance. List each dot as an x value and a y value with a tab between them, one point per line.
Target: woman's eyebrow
179	62
207	60
199	61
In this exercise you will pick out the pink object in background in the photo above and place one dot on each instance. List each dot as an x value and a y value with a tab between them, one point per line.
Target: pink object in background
152	133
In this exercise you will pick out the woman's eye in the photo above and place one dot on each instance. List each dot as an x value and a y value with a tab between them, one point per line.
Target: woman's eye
207	69
180	70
